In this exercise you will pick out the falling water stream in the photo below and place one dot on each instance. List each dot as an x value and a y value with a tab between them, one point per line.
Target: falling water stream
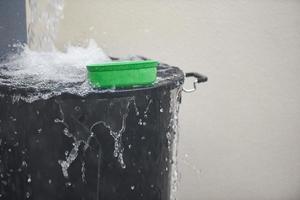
44	18
44	68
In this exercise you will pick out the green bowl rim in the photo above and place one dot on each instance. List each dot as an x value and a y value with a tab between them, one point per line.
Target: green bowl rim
122	65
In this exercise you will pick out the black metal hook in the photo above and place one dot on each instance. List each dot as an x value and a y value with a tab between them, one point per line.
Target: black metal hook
199	79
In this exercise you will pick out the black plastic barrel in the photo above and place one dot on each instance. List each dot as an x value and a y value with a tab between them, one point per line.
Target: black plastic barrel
103	145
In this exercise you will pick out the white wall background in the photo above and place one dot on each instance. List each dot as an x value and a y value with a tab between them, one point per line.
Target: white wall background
240	133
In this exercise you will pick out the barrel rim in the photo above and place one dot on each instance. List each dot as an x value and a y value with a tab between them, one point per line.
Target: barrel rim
175	80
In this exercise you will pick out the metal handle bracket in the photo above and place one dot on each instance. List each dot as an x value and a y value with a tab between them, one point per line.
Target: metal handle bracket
199	79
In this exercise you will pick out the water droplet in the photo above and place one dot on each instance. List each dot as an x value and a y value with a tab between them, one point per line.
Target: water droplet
39	130
161	110
149	153
68	184
132	187
144	123
129	146
15	132
152	186
140	122
123	165
83	172
9	150
67	133
27	195
77	108
49	181
143	138
169	136
29	178
24	164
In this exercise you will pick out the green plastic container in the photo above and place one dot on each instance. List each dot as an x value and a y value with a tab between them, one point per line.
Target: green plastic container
122	74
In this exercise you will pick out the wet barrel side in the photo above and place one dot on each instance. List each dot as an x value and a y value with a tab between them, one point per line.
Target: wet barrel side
102	146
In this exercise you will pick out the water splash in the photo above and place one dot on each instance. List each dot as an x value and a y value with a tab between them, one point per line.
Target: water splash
79	140
70	157
39	68
65	164
117	135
